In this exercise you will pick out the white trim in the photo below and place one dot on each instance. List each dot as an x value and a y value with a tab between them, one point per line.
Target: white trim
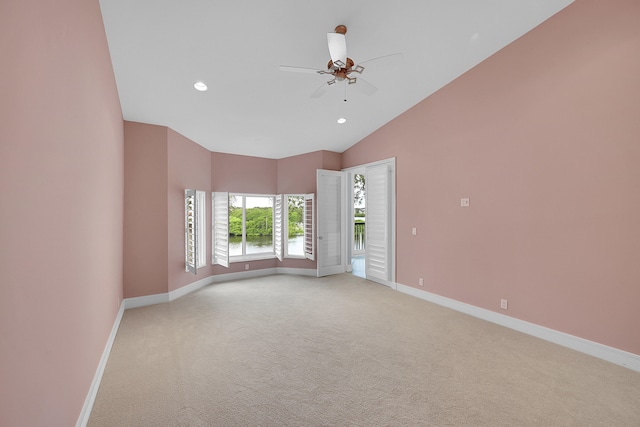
383	282
377	162
243	275
391	161
143	301
85	413
601	351
297	271
191	287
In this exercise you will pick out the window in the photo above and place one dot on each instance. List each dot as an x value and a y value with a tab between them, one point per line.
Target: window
195	232
294	226
248	226
251	226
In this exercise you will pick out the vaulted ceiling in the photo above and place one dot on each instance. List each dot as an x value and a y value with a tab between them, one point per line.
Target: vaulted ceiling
160	48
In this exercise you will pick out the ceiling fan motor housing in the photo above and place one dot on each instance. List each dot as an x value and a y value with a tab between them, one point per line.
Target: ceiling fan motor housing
340	72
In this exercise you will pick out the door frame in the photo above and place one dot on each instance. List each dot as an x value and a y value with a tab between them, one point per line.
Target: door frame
391	162
320	235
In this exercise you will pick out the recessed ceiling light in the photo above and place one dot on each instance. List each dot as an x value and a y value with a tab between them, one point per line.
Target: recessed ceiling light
342	120
200	86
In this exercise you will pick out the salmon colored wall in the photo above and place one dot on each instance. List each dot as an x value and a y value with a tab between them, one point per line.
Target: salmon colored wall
146	246
243	174
61	187
297	174
189	166
543	138
331	161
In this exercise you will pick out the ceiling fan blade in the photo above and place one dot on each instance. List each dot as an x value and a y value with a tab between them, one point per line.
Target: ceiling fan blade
299	69
321	90
365	87
383	61
337	47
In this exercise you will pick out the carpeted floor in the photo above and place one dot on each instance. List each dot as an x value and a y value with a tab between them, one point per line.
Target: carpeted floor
343	351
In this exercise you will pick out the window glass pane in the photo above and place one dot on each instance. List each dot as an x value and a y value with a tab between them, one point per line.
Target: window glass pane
235	224
295	240
259	224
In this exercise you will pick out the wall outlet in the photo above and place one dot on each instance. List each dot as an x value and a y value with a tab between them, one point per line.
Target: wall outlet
414	231
421	281
246	266
464	202
504	304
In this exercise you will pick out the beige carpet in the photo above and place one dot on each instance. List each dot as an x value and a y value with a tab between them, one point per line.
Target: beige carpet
342	351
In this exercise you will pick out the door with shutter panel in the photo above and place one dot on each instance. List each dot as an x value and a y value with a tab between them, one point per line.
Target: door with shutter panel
331	206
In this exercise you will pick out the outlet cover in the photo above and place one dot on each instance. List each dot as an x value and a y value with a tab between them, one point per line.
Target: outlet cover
464	202
504	304
421	281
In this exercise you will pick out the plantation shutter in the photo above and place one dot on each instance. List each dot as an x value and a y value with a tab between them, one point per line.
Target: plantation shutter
190	231
309	237
220	219
377	228
277	227
201	229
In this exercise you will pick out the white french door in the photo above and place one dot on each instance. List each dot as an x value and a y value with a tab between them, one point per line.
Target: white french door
331	236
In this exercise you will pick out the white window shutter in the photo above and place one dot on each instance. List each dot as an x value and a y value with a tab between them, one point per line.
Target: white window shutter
309	237
201	230
190	231
277	227
220	232
377	228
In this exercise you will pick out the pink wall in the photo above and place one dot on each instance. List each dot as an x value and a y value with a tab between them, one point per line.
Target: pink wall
61	181
543	138
297	174
243	174
146	246
331	160
189	166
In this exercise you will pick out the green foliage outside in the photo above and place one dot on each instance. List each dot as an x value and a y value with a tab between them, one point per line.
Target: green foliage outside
259	221
296	215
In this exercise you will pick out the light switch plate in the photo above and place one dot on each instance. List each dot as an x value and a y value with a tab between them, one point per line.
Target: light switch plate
464	202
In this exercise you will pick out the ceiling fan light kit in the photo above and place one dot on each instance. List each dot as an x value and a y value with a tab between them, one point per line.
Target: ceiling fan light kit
340	66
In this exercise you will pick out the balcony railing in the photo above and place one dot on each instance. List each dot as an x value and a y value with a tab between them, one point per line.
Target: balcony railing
358	236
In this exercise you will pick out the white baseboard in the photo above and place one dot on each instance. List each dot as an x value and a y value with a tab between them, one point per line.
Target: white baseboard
298	271
85	413
601	351
136	302
175	294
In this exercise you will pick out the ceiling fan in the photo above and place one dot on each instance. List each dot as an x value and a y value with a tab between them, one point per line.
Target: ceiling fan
341	67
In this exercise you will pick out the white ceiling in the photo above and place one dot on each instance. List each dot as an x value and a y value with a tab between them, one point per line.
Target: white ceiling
159	48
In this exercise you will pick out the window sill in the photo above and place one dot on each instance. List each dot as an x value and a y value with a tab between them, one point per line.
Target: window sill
256	257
